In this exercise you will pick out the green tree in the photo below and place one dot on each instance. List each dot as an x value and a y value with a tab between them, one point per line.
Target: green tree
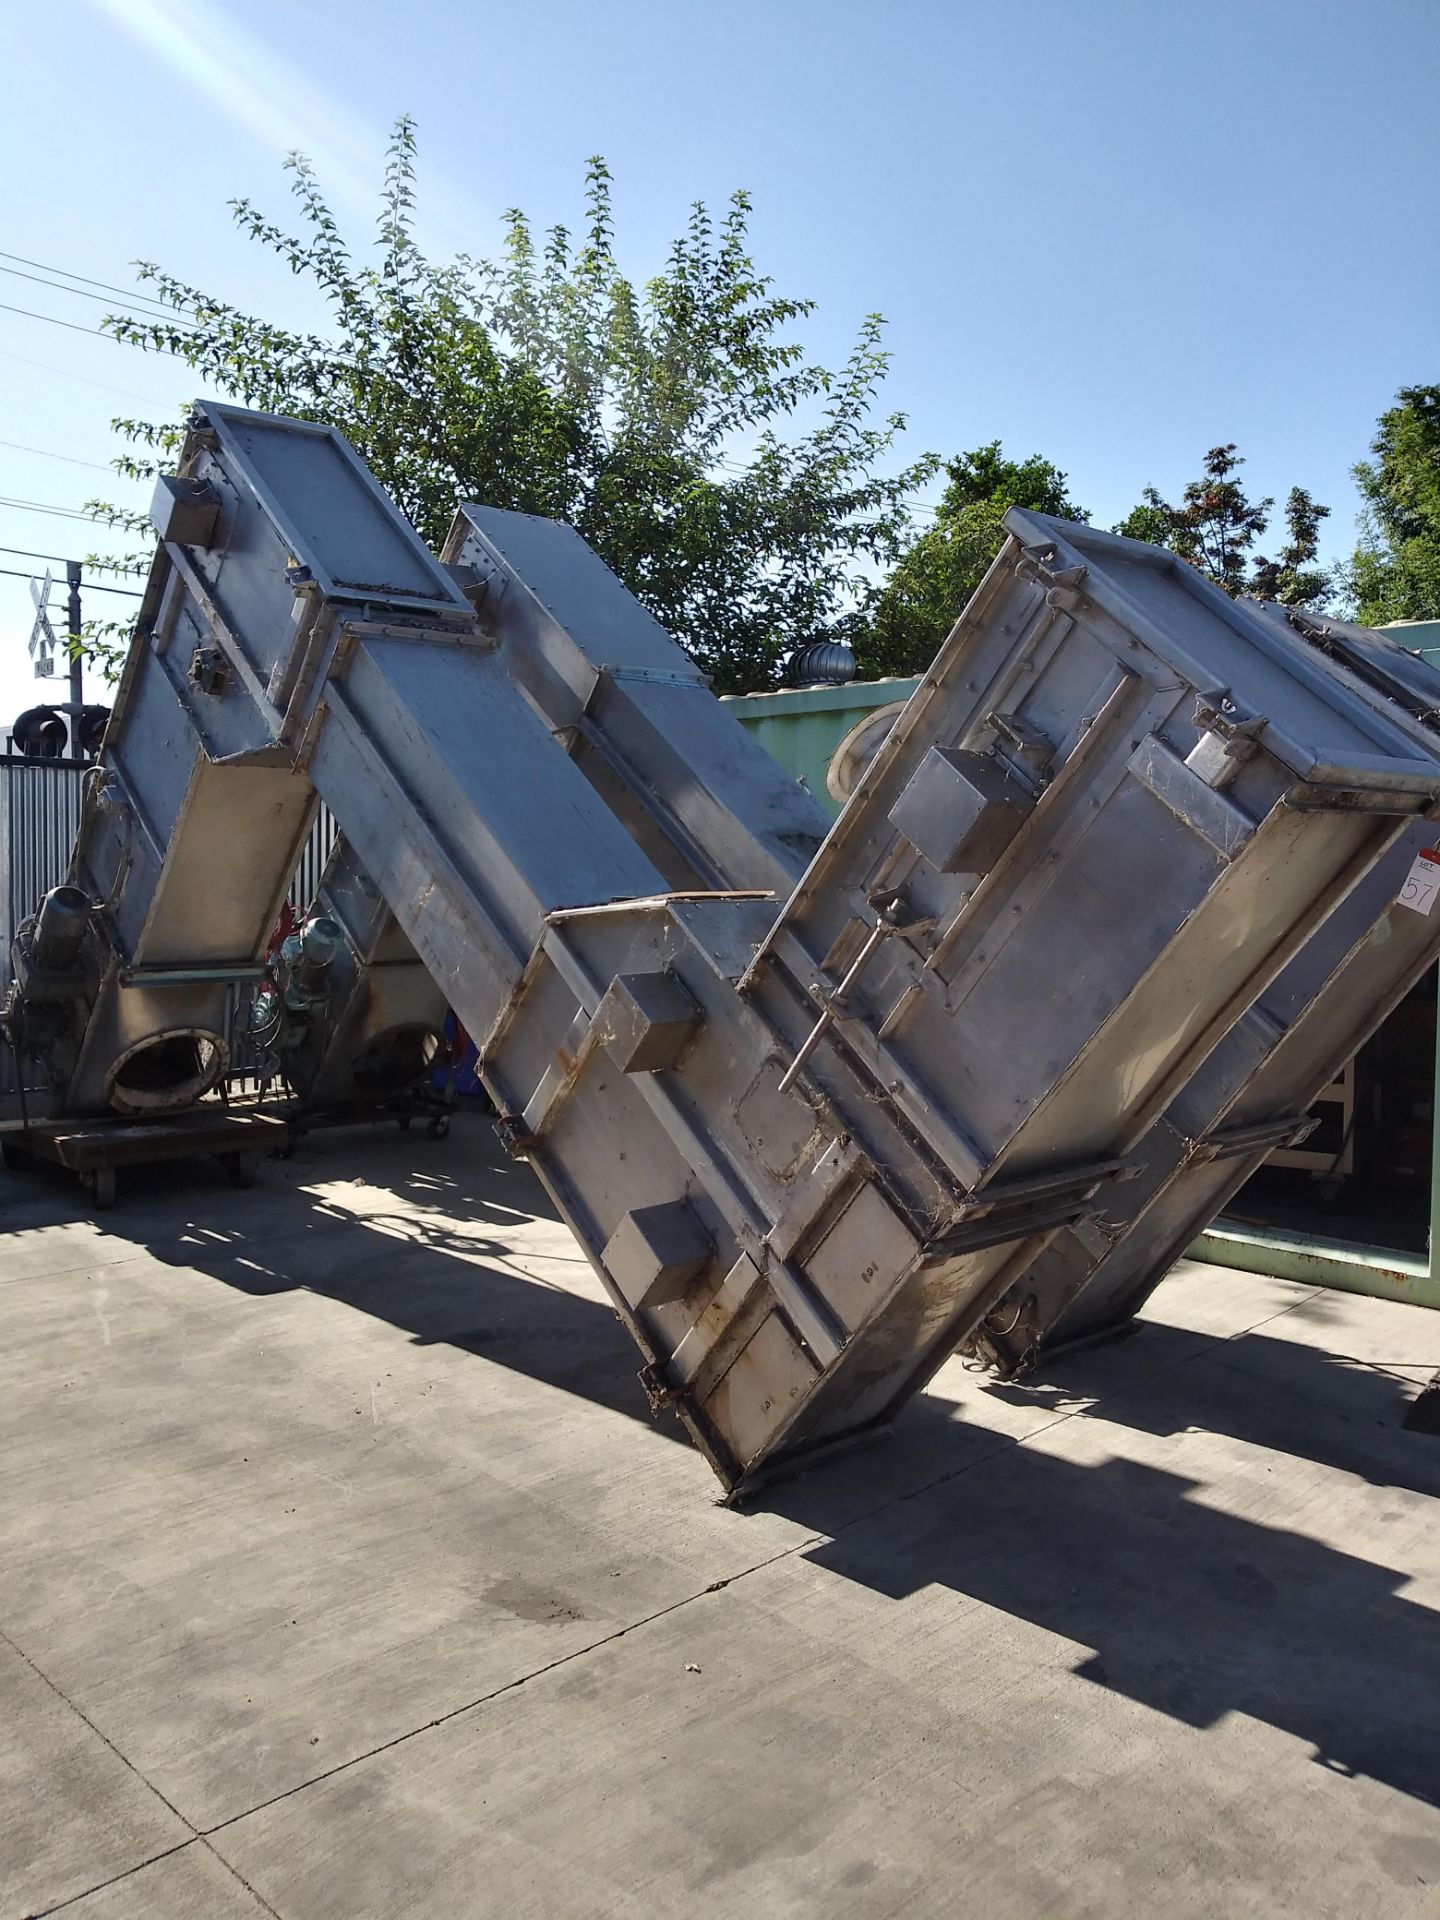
925	594
733	484
1292	577
1395	574
1216	527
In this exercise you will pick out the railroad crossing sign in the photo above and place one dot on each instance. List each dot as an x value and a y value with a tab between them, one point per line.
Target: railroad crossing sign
42	634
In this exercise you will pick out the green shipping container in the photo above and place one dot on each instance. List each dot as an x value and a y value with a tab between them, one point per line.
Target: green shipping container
802	728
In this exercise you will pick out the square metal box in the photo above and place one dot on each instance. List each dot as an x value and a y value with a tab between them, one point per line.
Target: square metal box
961	810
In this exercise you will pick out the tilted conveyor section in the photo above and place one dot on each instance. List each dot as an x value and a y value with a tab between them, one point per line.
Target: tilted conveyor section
700	797
806	1142
1157	728
1353	971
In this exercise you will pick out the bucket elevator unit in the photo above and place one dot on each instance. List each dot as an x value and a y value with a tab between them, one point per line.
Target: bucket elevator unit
812	1103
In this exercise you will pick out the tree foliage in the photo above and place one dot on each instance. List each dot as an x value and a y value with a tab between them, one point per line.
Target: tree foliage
1216	527
924	596
1292	577
732	483
1395	574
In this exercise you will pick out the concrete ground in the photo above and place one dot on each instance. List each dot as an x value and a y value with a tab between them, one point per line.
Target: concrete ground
344	1573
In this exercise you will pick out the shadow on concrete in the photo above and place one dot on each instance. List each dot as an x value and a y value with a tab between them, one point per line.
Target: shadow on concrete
1191	1611
428	1247
1337	1410
1188	1610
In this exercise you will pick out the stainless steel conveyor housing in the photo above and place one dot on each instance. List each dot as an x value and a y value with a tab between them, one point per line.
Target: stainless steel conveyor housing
812	1103
1281	1054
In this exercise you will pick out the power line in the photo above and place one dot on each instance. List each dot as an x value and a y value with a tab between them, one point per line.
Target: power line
105	299
66	274
159	318
75	327
67	373
164	313
60	513
29	553
86	586
45	454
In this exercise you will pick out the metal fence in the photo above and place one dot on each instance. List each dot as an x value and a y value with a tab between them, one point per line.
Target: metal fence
313	856
39	818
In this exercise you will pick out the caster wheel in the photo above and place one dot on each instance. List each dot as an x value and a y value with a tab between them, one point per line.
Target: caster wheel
102	1189
403	1123
241	1169
439	1127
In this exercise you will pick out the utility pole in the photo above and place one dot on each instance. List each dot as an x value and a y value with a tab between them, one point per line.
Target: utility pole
77	672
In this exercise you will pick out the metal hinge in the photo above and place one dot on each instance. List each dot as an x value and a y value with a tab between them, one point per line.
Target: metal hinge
515	1136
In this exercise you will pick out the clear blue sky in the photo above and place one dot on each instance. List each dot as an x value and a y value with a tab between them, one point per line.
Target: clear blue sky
1113	232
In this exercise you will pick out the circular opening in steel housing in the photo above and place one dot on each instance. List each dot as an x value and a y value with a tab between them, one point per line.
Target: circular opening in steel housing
851	758
167	1071
395	1060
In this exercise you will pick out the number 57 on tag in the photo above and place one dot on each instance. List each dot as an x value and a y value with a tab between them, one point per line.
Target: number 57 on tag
1422	883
